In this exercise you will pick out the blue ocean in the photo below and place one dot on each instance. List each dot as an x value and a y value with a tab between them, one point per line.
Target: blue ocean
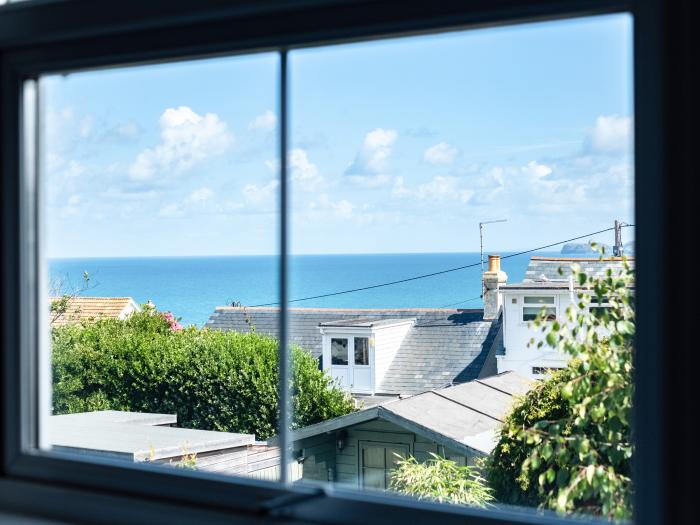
191	287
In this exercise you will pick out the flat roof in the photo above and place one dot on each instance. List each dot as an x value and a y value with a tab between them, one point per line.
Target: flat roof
137	437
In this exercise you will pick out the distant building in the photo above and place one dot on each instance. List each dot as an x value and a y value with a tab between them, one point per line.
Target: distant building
360	449
375	353
544	286
79	309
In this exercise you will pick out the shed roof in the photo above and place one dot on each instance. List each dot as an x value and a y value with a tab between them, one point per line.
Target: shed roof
442	347
463	417
93	308
134	436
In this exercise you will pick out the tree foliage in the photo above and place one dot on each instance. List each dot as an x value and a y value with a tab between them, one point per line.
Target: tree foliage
225	381
442	480
579	454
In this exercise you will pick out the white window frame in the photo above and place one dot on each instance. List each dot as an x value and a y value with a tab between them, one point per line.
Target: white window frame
44	36
554	304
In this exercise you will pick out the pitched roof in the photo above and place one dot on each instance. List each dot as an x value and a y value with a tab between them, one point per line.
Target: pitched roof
547	268
463	417
92	308
444	346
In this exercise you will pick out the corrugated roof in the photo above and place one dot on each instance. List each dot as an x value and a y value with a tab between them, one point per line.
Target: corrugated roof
92	308
444	346
463	417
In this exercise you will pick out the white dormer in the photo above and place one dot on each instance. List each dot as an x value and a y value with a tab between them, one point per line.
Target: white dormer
358	352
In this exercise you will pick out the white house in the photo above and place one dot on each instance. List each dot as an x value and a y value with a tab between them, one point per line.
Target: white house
544	286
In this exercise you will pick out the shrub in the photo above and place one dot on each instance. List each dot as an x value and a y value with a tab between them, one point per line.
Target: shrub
225	381
578	452
442	480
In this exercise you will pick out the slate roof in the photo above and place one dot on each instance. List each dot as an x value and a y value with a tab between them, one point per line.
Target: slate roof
92	308
464	417
547	268
444	346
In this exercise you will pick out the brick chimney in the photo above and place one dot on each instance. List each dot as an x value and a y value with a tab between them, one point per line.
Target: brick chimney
493	279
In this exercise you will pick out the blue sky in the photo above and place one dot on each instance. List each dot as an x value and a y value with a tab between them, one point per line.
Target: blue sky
400	145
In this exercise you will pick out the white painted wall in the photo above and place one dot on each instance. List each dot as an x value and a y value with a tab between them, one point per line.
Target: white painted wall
387	341
517	333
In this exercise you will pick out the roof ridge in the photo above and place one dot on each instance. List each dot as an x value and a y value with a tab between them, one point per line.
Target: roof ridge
465	405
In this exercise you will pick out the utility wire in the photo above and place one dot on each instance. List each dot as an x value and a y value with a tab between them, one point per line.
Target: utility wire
433	274
461	302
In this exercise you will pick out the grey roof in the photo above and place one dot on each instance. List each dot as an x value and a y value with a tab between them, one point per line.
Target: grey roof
444	346
136	437
366	323
463	417
547	268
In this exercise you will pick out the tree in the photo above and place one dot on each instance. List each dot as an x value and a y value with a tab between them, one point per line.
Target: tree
442	480
579	454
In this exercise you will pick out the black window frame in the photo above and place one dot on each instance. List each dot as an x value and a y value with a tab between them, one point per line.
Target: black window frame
43	36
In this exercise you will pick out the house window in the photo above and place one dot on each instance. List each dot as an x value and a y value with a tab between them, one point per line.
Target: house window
361	351
535	304
599	306
377	461
339	351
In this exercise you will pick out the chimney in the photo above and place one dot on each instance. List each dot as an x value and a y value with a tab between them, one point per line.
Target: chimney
493	279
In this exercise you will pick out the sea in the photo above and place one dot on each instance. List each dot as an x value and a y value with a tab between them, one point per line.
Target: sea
192	287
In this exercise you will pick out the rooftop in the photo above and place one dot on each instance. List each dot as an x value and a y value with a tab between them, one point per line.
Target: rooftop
463	417
442	347
542	269
91	308
135	436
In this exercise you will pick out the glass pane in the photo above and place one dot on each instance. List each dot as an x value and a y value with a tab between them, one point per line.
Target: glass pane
407	156
161	223
374	478
373	457
339	351
362	351
539	299
530	313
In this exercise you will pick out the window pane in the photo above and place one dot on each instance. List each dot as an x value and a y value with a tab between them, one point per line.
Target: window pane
362	351
406	157
339	351
539	300
161	220
530	313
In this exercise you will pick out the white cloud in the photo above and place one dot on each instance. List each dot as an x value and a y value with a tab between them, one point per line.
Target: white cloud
326	208
304	172
201	195
170	211
535	170
74	200
441	153
85	126
610	134
372	161
265	122
187	138
262	196
439	188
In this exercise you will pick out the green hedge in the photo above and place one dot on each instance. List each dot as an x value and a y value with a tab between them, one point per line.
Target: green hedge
212	380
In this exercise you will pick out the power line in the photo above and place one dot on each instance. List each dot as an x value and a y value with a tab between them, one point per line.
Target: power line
433	274
461	302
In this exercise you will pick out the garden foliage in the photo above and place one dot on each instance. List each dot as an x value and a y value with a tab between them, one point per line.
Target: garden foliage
212	380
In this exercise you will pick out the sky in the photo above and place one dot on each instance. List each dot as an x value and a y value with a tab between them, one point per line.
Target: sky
398	145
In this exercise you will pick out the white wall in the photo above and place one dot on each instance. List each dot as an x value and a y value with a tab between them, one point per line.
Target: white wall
387	341
517	333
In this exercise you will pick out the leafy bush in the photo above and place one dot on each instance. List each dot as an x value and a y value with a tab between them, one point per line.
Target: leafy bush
442	480
578	453
504	467
225	381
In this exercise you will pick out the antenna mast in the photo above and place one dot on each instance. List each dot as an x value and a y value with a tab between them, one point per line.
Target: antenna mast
481	250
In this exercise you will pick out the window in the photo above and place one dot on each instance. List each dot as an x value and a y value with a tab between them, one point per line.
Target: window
545	303
339	351
103	41
361	350
377	461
